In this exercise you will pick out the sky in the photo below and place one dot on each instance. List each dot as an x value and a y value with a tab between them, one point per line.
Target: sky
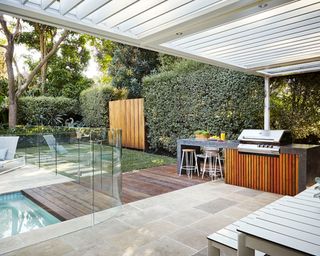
92	70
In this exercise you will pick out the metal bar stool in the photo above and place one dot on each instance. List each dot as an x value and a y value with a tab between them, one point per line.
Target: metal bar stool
191	164
211	159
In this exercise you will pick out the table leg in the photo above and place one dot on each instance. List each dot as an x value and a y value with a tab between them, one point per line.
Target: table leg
178	157
243	250
213	251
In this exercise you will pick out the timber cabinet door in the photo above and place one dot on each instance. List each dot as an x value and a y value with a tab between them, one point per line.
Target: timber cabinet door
276	174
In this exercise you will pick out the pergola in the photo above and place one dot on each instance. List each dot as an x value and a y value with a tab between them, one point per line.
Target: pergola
265	38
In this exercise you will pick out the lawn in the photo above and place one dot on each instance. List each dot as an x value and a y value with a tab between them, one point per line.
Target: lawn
136	160
131	159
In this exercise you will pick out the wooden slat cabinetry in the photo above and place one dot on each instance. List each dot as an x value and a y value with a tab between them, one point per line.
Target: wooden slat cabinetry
277	174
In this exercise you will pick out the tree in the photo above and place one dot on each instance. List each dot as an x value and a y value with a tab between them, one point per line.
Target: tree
64	74
127	65
18	85
41	38
295	105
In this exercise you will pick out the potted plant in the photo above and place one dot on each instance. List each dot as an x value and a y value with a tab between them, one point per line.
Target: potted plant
202	134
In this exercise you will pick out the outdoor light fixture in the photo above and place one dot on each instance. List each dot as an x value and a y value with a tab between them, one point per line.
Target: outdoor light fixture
263	5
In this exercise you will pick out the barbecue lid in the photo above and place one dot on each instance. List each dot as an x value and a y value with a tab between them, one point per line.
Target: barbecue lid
272	136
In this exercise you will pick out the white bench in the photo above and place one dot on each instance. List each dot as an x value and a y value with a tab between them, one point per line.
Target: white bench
226	240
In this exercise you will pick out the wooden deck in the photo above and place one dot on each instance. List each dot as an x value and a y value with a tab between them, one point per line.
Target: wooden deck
154	181
70	200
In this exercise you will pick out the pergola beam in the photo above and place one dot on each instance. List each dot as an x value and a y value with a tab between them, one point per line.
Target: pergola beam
114	7
89	7
45	4
68	5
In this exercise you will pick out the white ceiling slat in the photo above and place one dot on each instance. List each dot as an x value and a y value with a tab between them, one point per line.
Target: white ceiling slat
270	41
284	61
275	54
130	12
291	72
88	7
68	5
256	27
172	20
239	51
262	54
111	9
265	37
245	21
46	4
293	69
188	9
24	1
271	61
248	37
154	12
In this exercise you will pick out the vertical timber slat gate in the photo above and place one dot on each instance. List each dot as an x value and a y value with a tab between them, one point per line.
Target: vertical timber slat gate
128	115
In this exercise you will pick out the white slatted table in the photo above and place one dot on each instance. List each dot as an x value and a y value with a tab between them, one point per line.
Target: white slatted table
289	226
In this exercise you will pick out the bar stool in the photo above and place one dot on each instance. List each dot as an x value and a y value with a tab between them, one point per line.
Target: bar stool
212	158
190	157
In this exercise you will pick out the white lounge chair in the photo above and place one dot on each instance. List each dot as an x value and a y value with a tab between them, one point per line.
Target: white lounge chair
8	146
53	145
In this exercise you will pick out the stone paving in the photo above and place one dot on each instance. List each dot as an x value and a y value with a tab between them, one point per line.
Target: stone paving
28	176
174	223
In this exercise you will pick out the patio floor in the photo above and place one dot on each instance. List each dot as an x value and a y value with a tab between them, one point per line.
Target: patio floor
70	200
174	223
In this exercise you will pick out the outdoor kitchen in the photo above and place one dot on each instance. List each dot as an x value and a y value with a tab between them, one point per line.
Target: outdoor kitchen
264	160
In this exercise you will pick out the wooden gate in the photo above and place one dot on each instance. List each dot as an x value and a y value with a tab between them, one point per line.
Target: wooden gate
128	115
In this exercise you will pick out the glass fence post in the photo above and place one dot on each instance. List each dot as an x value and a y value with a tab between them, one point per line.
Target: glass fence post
78	160
92	179
56	155
39	154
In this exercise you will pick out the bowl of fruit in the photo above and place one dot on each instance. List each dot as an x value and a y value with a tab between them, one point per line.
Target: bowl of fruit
214	137
202	134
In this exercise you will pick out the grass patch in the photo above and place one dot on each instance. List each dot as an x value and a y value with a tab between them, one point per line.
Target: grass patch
136	160
131	159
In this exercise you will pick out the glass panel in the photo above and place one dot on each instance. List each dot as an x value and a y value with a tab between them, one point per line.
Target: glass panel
71	174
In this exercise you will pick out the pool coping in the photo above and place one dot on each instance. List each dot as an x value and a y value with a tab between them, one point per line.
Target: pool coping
16	242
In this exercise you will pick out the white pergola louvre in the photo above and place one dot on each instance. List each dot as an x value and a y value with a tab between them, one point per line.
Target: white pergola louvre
266	38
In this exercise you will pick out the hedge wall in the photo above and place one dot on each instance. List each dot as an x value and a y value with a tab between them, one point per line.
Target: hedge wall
94	104
196	96
46	110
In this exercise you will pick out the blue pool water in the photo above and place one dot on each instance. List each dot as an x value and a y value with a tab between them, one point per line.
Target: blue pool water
19	214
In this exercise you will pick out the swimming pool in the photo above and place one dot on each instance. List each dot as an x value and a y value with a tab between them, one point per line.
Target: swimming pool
19	214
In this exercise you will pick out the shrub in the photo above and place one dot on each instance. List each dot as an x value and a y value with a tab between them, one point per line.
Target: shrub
46	110
196	96
94	104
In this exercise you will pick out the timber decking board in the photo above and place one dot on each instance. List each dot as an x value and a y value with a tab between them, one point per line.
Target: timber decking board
155	181
70	200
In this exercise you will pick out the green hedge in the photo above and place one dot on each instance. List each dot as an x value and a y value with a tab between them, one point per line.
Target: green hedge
196	96
94	104
46	110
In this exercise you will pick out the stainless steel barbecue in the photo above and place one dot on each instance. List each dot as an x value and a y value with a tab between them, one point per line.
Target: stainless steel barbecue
263	141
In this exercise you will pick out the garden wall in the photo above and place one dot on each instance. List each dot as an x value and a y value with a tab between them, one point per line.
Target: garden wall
196	96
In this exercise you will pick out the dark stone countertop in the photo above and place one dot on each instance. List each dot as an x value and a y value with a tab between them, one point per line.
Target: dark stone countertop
209	143
297	148
233	144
